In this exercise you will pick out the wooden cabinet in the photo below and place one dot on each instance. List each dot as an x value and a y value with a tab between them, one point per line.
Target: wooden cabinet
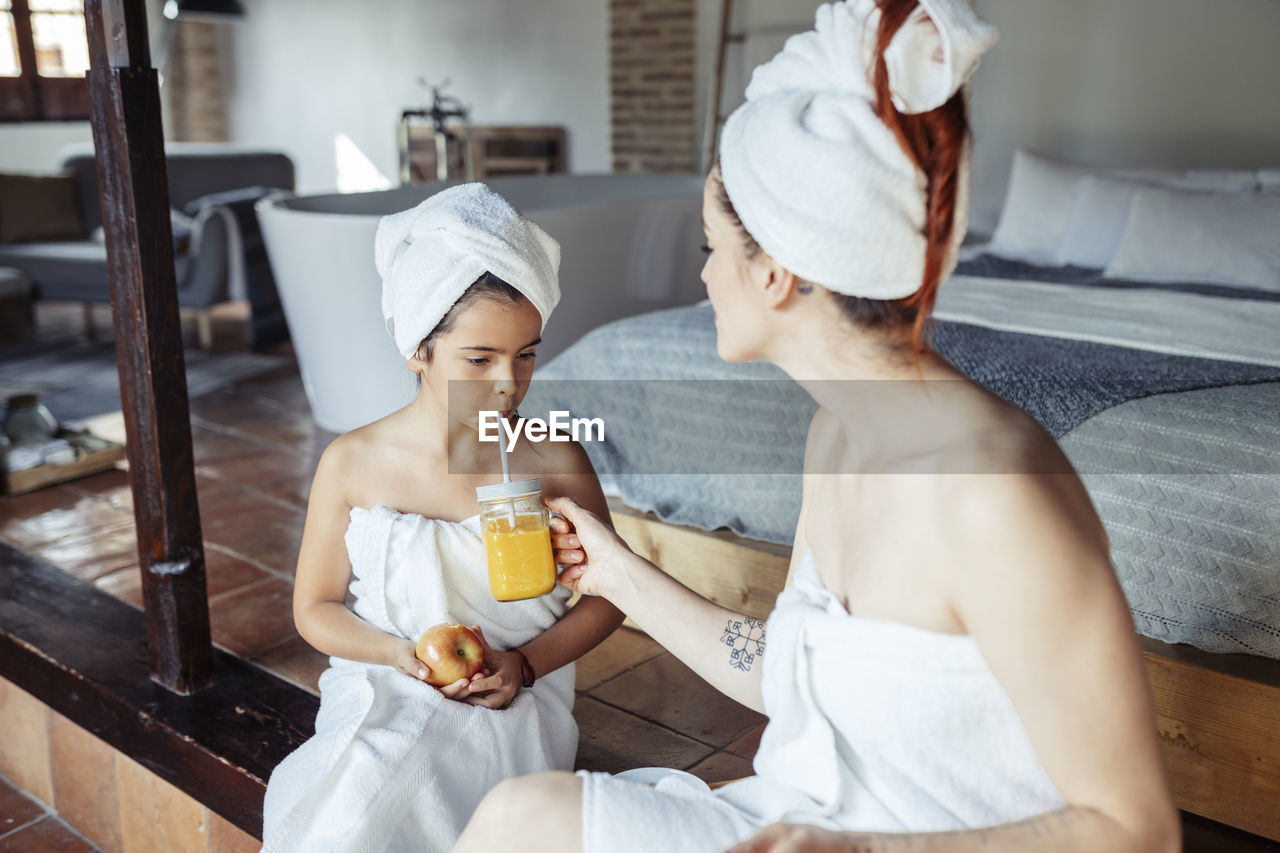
493	150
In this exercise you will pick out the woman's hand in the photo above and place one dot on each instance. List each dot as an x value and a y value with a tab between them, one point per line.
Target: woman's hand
795	838
497	684
592	554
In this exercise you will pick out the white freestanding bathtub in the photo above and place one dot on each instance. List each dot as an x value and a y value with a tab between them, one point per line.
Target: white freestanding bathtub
629	244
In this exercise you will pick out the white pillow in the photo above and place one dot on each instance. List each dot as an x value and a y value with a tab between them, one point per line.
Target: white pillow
1038	206
1178	236
1096	220
1269	179
1100	207
1034	216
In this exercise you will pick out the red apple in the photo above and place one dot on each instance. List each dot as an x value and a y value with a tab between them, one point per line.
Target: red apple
450	652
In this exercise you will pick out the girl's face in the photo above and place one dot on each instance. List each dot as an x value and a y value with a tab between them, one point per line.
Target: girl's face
732	281
485	361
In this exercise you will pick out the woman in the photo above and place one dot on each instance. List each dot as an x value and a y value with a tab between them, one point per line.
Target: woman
952	665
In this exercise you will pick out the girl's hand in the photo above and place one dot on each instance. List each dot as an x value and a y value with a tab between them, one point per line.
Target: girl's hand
497	684
406	661
795	838
593	555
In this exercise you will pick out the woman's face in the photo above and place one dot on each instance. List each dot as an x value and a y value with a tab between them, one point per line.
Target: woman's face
485	361
730	279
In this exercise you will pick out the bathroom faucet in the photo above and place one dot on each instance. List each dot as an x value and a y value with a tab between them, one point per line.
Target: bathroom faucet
443	107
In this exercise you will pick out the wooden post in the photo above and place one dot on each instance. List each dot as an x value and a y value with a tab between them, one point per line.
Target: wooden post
711	139
124	92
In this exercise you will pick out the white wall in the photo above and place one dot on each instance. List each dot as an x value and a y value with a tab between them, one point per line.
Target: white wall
33	146
1162	82
306	72
1177	83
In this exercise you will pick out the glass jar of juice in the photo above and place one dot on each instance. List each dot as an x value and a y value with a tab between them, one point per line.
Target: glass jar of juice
517	539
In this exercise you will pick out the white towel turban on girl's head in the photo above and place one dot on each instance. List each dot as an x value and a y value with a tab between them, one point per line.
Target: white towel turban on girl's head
430	255
816	178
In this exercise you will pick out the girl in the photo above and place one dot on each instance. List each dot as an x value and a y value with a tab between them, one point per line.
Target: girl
396	764
952	664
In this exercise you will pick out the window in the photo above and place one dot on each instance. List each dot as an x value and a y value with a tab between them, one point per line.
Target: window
44	55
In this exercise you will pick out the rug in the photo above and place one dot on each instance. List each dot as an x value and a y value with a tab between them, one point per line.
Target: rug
80	380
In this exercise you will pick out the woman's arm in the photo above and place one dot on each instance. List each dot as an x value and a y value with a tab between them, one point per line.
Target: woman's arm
723	646
1032	584
1039	596
692	628
1066	830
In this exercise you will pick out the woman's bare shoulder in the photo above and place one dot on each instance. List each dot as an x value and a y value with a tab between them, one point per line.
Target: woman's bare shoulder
1021	517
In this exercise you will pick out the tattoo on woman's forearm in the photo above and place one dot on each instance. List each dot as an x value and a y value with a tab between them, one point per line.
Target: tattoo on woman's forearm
745	639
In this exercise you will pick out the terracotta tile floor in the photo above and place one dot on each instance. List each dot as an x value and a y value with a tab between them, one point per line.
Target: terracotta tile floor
27	825
256	448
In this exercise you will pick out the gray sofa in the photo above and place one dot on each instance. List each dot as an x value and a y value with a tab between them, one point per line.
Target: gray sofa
218	250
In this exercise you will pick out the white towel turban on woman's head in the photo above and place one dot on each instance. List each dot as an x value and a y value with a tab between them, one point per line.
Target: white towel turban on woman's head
813	173
430	255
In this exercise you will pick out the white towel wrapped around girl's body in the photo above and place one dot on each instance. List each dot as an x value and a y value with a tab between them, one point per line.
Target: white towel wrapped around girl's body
873	725
393	764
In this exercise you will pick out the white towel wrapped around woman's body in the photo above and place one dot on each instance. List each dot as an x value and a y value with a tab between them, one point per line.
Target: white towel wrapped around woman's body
393	764
873	725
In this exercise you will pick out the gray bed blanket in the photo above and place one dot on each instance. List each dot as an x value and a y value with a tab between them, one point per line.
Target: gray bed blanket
1188	486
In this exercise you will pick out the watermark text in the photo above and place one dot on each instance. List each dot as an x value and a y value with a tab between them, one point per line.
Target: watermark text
561	427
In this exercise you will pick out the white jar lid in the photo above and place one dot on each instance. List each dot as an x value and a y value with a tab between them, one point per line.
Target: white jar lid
514	489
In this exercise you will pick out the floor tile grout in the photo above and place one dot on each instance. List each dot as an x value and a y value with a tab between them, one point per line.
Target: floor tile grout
661	725
32	822
46	813
274	572
661	651
235	432
223	549
274	646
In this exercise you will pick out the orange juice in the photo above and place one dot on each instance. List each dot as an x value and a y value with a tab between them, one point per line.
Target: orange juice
520	561
517	539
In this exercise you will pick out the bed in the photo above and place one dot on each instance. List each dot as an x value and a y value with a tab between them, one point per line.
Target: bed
1164	391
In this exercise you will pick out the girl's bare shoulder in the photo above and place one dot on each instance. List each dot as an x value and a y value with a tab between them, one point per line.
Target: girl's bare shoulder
367	454
557	462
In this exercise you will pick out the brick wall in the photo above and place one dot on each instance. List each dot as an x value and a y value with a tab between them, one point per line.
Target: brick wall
652	58
194	107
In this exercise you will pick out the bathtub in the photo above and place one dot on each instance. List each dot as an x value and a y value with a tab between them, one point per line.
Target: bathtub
629	244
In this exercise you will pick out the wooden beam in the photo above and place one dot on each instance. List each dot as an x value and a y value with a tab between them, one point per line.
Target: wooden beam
711	141
742	574
82	653
1219	719
129	143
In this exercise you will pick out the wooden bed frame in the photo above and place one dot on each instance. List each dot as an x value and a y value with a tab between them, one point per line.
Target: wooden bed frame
1218	715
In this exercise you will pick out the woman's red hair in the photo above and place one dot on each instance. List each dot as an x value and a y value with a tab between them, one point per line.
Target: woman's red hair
935	141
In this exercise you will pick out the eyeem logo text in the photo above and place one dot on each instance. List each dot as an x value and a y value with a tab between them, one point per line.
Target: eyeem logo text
561	427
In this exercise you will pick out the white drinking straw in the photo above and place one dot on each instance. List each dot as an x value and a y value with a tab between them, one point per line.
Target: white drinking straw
506	466
506	478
